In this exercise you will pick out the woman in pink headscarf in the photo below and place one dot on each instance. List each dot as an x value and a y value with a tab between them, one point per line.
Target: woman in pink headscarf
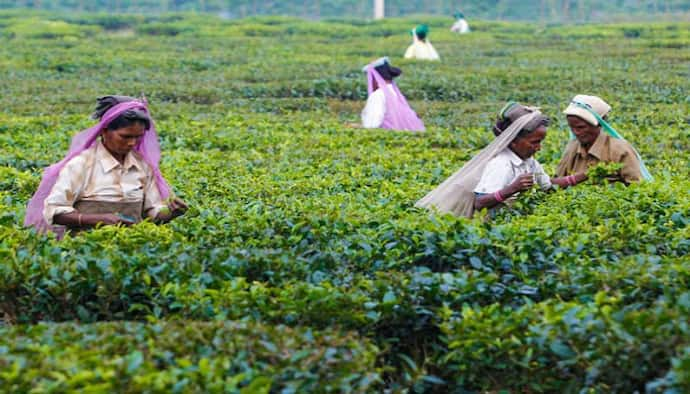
110	175
386	106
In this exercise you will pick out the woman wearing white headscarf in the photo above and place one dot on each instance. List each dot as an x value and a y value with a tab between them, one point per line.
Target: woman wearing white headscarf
586	117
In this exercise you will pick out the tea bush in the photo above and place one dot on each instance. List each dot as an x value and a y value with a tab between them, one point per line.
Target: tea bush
298	220
183	357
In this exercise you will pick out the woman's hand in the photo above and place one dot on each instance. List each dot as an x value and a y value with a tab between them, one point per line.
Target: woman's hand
175	207
570	180
521	183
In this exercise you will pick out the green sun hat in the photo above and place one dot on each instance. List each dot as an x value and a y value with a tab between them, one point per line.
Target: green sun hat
421	31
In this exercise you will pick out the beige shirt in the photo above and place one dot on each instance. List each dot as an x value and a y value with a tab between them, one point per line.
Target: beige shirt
95	175
422	50
605	148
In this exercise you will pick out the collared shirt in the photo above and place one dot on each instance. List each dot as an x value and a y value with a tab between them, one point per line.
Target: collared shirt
605	148
375	110
95	175
422	50
505	167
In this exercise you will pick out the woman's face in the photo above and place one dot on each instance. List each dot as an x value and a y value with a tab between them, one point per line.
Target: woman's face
584	132
121	141
530	144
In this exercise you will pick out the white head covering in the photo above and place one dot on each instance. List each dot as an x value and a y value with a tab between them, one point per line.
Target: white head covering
378	62
595	103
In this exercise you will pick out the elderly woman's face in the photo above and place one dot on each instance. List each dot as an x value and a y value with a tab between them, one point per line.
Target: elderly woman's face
121	141
584	132
530	144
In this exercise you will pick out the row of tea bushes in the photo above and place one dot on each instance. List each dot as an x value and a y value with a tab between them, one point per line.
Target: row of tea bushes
397	283
535	247
243	145
183	357
599	346
294	59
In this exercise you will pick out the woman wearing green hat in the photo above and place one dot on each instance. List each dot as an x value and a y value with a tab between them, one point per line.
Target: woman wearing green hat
421	48
460	25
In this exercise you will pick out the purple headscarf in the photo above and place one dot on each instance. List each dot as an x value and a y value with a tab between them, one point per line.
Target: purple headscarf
399	115
148	148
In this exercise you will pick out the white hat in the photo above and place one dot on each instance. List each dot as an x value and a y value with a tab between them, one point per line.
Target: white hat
593	102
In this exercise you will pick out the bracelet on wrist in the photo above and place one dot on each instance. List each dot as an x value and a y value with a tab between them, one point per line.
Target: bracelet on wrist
498	196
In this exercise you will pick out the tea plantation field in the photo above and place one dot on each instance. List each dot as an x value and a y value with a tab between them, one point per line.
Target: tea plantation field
302	265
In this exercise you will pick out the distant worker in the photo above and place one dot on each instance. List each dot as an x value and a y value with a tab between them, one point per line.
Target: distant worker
421	47
386	106
586	117
460	25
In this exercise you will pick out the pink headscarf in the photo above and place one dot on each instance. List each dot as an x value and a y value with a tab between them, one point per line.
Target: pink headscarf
399	115
148	148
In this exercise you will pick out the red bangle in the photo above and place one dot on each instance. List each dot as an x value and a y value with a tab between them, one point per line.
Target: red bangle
571	180
498	196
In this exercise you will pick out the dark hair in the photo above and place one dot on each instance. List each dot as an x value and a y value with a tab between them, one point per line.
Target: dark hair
387	71
129	118
125	119
500	126
511	112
